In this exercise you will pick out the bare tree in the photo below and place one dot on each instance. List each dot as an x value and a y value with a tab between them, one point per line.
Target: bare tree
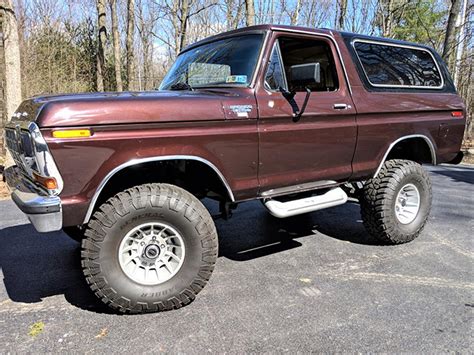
102	38
238	15
390	14
147	17
233	11
450	38
342	13
462	39
129	44
11	50
116	45
188	10
179	13
12	58
249	12
386	14
360	16
296	13
183	19
266	11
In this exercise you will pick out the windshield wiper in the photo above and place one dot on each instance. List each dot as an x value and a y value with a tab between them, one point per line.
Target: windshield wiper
181	86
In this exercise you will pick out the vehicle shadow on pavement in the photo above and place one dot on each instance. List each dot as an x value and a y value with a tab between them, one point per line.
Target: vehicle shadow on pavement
462	174
262	234
36	266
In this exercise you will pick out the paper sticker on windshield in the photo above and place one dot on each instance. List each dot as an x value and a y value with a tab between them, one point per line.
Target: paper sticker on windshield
236	79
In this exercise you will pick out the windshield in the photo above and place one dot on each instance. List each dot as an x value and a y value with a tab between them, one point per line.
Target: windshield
224	62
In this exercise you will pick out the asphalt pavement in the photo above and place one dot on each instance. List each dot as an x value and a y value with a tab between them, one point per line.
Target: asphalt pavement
315	283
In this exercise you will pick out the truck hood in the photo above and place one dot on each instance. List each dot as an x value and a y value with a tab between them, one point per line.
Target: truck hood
129	107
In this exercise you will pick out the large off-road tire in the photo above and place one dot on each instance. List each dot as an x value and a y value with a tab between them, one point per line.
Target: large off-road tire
149	248
395	205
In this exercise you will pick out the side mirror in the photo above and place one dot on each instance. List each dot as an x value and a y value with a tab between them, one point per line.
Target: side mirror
302	75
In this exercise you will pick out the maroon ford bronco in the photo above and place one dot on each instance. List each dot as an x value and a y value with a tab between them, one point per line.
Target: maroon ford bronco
300	119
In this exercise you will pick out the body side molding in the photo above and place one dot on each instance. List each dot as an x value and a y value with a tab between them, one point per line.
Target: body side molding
149	160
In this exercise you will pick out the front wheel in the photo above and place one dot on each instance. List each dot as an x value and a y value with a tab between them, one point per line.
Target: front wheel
150	248
395	205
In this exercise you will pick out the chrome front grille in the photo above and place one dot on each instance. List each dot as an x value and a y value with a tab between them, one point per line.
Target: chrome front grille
30	152
19	144
14	145
26	144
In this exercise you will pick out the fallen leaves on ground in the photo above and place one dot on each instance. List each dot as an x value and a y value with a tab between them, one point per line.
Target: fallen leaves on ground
36	329
103	333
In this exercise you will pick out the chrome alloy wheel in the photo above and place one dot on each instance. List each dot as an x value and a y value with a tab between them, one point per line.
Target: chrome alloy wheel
151	253
407	204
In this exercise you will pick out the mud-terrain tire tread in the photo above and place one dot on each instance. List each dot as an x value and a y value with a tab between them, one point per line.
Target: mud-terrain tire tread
376	213
156	195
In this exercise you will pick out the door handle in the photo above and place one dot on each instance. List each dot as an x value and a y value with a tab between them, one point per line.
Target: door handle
341	106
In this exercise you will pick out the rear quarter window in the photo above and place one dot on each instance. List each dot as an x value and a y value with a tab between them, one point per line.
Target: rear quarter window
387	65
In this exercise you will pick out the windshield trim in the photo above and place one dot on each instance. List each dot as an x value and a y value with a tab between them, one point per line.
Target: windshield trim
263	45
260	58
219	37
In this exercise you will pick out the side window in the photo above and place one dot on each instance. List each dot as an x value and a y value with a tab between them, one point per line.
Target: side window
393	65
296	51
275	76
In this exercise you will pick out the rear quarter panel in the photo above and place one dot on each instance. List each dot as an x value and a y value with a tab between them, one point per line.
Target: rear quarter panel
383	116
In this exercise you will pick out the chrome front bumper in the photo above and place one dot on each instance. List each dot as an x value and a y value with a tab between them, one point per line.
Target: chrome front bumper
43	211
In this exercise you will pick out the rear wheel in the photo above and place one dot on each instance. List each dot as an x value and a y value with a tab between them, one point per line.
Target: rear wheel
150	248
395	205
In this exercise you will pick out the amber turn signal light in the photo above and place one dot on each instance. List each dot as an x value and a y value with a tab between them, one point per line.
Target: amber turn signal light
49	182
72	133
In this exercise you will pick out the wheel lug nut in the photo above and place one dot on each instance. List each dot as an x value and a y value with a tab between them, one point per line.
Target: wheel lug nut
162	246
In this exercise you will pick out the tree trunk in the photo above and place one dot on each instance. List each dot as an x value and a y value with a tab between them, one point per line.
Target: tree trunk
450	38
385	9
250	12
175	24
102	38
387	31
183	24
129	44
296	13
460	43
238	15
342	14
272	11
145	40
11	51
12	58
229	5
468	133
116	44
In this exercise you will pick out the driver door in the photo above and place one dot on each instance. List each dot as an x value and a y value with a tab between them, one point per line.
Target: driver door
320	146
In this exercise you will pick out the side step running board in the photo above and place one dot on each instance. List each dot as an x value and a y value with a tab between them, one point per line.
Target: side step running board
331	198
